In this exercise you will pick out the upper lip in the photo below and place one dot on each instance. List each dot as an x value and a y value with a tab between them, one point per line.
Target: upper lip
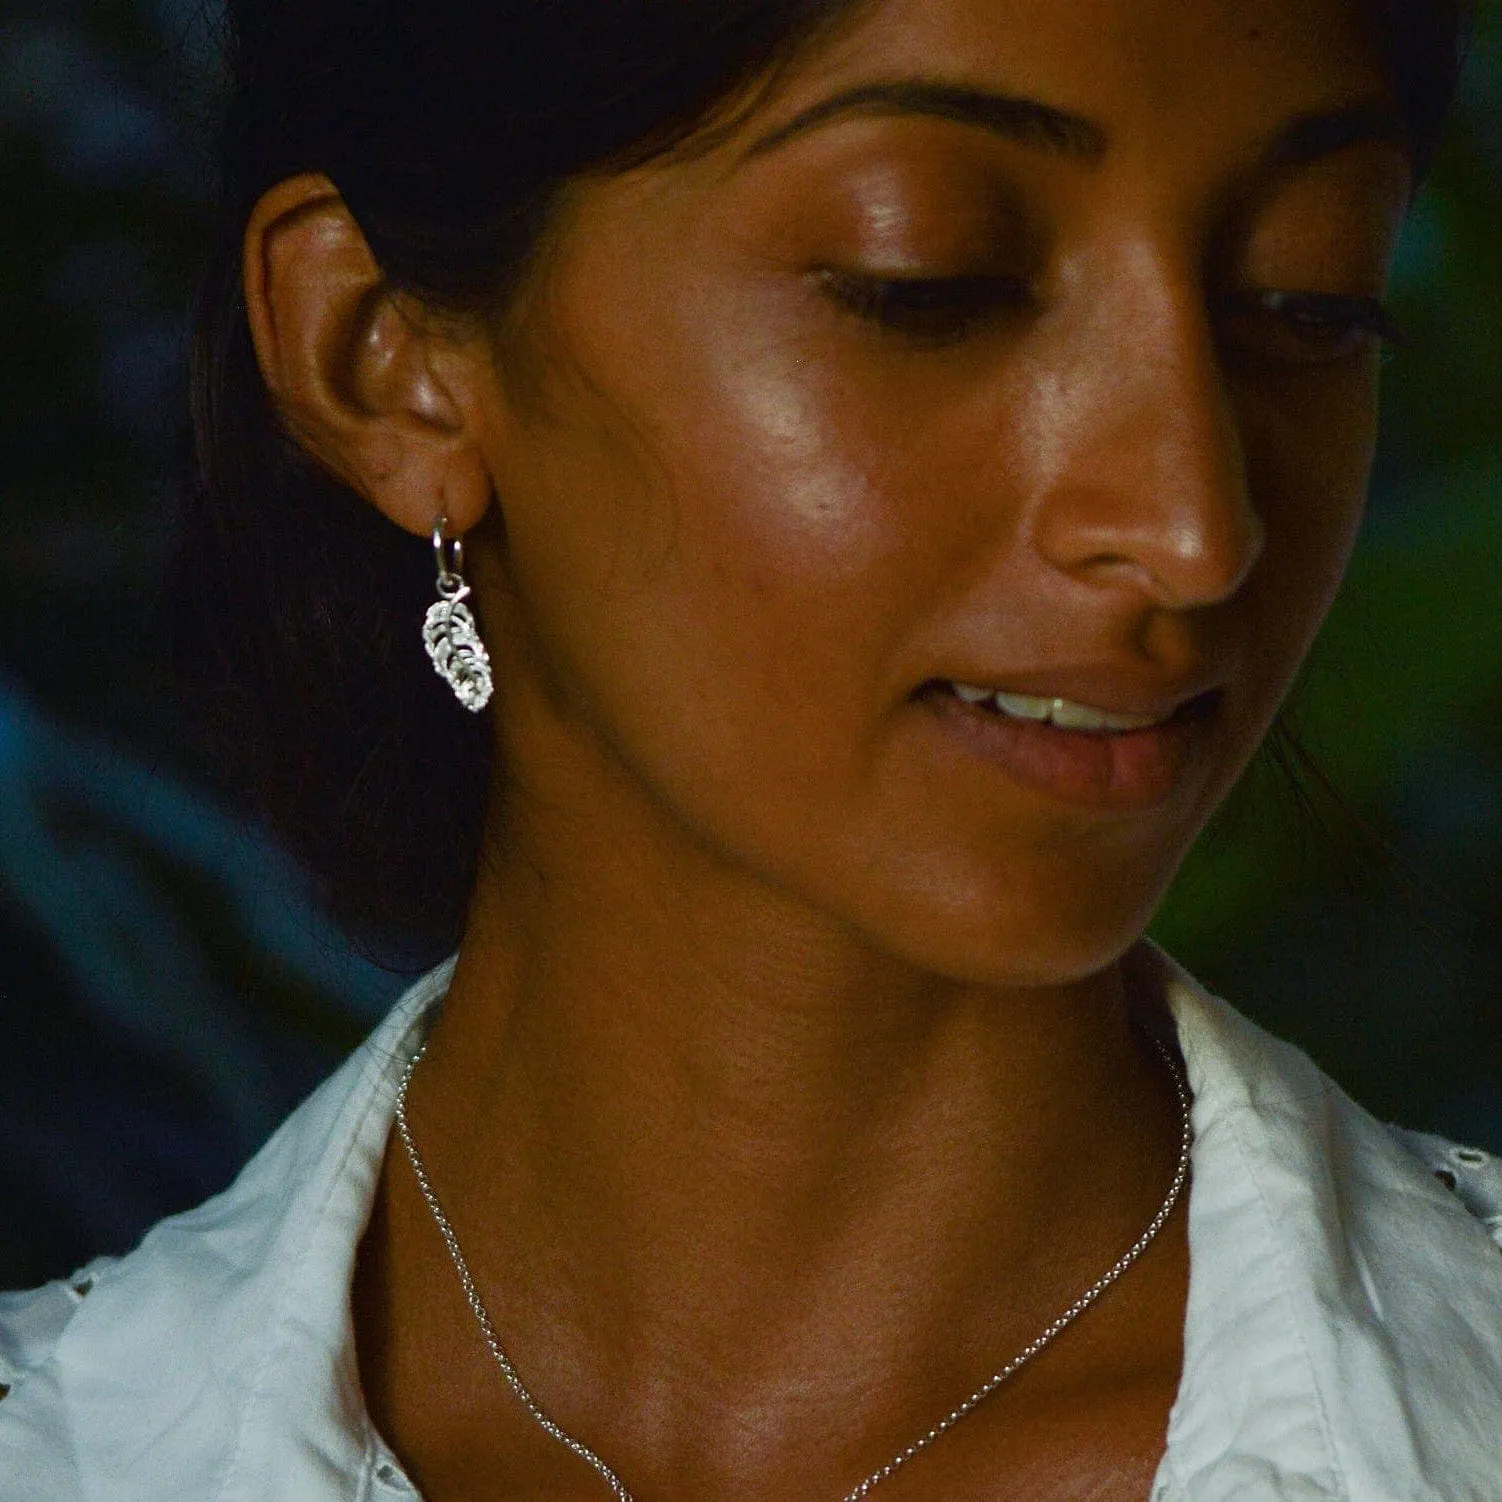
1111	689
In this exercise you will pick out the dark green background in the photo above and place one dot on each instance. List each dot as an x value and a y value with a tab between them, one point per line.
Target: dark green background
166	992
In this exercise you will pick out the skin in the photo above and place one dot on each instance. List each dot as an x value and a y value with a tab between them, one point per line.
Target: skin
788	1084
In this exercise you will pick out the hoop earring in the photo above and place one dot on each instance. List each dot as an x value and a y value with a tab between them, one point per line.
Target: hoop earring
450	634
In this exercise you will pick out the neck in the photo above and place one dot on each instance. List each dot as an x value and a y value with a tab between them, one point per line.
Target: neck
680	1119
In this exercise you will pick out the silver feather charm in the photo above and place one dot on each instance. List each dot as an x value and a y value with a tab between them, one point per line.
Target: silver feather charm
450	633
453	642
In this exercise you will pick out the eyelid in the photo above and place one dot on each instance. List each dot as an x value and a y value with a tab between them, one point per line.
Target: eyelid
904	300
937	310
907	276
1369	313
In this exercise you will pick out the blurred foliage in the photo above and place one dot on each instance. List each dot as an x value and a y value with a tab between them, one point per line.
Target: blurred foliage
167	992
1388	966
104	180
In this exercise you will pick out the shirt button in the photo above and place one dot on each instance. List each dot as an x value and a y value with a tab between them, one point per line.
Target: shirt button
389	1476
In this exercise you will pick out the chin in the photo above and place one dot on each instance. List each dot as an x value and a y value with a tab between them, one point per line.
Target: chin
1016	936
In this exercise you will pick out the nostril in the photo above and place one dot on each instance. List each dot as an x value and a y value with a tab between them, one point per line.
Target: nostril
1182	546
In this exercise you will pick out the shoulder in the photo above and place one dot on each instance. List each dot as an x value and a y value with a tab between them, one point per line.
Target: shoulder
216	1359
1344	1332
32	1444
1341	1189
1294	1127
31	1323
1472	1174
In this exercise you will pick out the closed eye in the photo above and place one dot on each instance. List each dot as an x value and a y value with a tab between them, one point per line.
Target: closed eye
1264	326
1296	329
926	310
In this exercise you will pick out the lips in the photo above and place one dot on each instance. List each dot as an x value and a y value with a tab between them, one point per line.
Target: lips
1116	757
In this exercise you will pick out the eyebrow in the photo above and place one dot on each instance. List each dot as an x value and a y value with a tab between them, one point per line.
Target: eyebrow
1058	132
1026	121
1308	137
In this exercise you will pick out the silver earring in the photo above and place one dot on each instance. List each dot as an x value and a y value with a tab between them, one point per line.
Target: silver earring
450	634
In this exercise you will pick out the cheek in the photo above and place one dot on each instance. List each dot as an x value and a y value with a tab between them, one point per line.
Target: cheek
1310	466
1308	463
710	555
794	479
792	536
785	508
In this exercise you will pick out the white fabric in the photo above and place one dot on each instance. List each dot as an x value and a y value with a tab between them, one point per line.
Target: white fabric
1343	1337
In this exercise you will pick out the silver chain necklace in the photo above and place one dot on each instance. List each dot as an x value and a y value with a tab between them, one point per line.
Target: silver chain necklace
609	1477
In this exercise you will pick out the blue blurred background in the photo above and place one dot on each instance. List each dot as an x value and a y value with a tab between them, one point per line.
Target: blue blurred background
167	990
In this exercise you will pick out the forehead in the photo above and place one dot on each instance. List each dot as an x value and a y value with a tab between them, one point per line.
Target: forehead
1229	68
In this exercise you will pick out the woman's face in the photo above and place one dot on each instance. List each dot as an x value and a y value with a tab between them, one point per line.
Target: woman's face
1007	346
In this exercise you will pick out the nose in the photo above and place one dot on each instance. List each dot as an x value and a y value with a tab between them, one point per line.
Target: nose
1146	482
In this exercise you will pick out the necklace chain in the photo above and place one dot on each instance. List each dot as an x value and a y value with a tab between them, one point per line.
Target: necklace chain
950	1419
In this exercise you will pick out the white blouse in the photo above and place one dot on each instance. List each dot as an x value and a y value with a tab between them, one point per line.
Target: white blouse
1343	1338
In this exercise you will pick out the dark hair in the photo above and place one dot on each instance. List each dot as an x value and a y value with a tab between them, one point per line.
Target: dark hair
450	129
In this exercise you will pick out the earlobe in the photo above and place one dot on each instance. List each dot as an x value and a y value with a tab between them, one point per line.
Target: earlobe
357	379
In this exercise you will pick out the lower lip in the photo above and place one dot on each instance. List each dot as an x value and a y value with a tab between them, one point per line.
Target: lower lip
1121	771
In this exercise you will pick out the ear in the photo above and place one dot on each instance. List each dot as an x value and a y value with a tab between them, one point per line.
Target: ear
381	395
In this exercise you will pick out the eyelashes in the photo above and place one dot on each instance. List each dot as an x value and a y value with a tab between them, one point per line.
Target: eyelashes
1275	327
928	310
1311	328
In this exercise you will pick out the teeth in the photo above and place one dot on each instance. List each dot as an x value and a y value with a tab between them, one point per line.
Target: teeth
1022	707
1064	713
1069	716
